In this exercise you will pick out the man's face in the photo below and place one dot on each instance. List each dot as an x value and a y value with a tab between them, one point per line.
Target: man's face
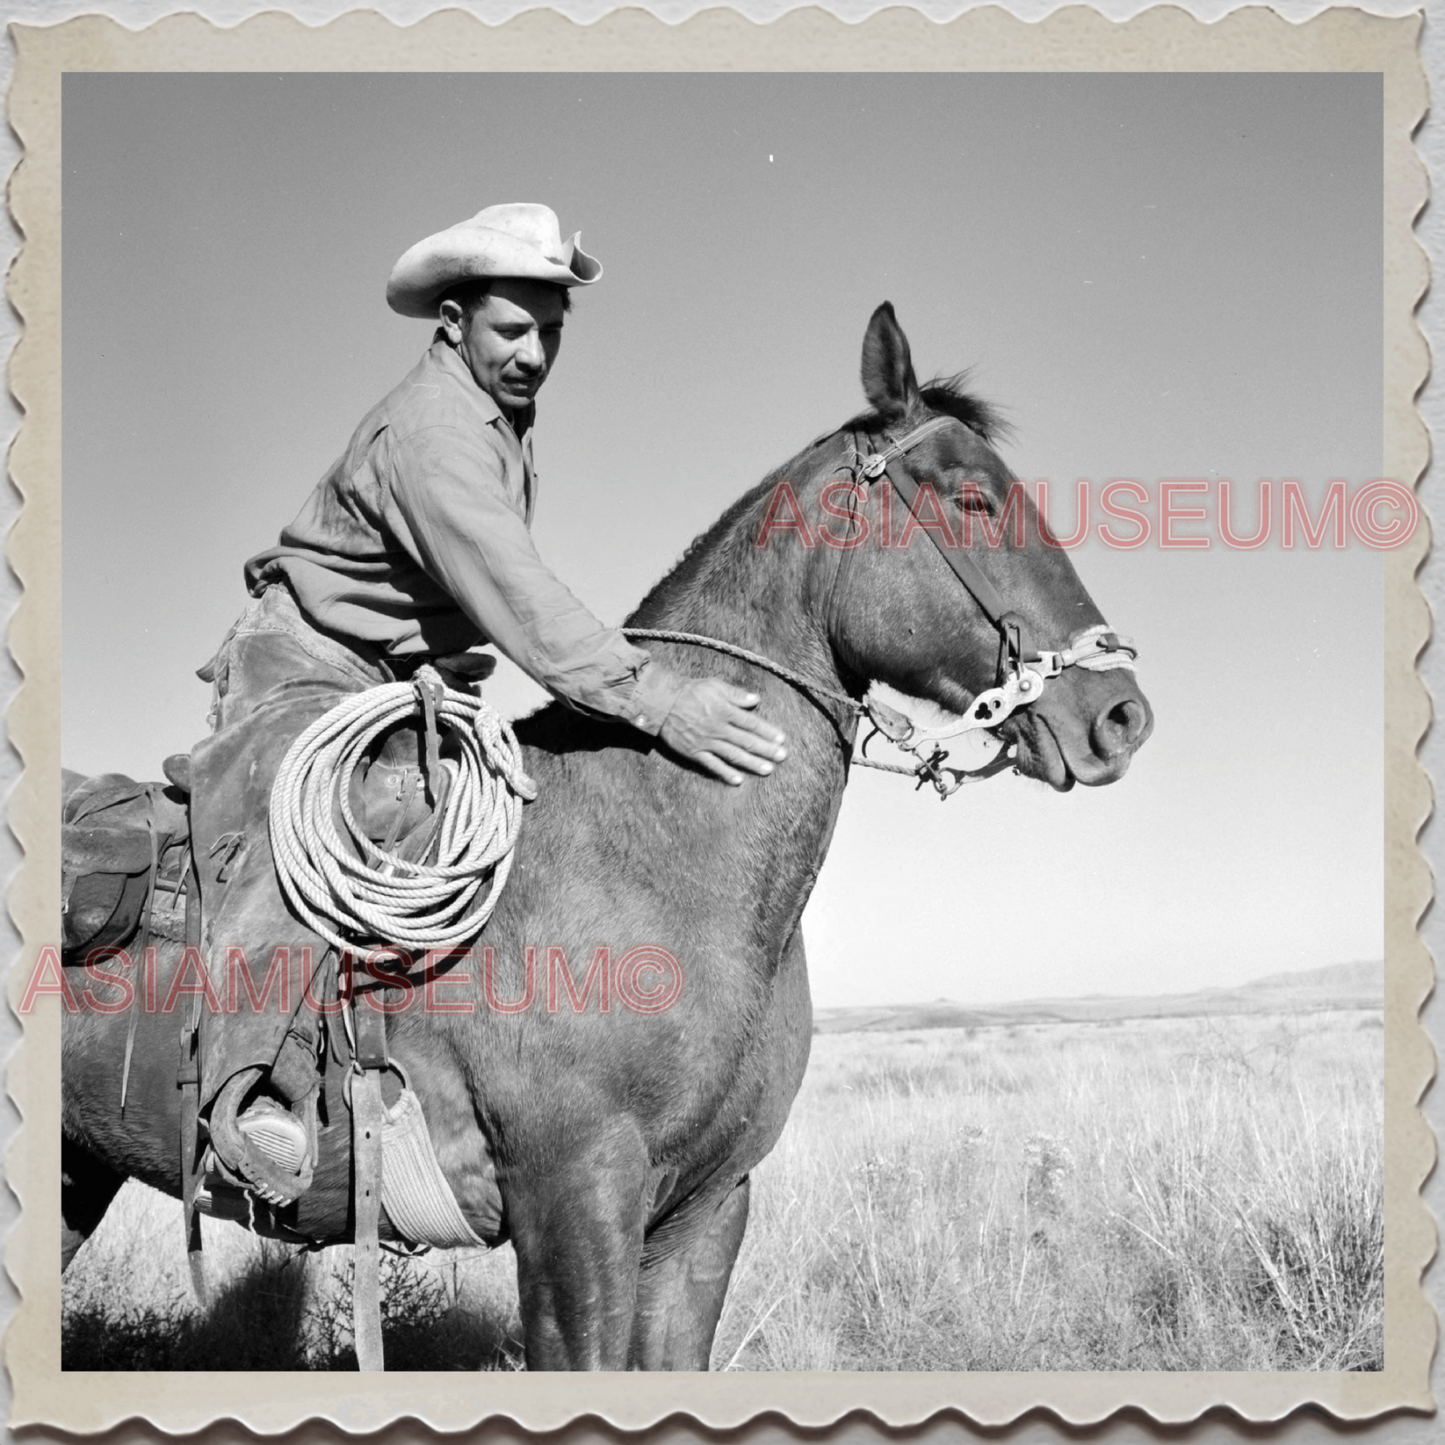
511	340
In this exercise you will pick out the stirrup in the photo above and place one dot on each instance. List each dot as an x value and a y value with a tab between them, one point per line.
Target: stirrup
258	1149
277	1133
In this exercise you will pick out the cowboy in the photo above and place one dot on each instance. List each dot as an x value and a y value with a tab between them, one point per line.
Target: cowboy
413	548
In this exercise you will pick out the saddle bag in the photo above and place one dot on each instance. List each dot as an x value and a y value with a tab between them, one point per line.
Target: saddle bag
120	842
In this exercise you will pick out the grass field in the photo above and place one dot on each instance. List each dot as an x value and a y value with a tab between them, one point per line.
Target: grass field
1161	1194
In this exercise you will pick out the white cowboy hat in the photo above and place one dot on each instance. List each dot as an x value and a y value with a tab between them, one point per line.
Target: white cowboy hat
517	239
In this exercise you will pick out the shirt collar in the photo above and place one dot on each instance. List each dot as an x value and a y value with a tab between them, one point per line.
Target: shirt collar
447	360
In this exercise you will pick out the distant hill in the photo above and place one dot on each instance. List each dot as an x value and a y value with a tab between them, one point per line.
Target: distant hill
1335	986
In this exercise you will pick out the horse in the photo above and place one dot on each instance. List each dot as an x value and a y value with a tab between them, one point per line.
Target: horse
613	1145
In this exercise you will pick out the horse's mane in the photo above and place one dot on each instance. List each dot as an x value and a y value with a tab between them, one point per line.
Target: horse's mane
949	396
710	551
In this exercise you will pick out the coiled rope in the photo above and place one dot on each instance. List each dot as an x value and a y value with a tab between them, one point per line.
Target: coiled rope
358	896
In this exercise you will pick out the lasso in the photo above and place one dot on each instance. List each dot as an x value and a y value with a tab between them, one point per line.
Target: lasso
358	896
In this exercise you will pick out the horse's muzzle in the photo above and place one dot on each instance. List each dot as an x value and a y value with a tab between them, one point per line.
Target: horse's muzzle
1121	727
1086	732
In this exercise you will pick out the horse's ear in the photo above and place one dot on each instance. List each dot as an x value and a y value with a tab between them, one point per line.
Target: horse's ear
888	379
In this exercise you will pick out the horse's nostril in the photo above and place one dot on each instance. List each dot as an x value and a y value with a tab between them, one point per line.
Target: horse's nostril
1120	726
1130	716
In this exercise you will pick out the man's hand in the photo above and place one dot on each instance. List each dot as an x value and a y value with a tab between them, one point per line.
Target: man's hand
711	723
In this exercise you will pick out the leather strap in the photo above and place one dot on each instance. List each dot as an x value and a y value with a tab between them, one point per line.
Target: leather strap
431	692
188	1079
133	1022
368	1113
188	1076
891	466
964	567
366	1121
370	1025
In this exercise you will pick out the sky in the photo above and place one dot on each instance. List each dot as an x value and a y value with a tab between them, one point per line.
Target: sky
1154	276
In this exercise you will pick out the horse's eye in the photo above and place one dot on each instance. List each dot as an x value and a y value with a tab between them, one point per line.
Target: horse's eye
974	498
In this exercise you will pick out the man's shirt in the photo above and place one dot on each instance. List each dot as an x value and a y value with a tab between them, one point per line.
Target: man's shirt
416	541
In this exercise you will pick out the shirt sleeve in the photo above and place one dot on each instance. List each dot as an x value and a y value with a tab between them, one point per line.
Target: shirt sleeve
454	516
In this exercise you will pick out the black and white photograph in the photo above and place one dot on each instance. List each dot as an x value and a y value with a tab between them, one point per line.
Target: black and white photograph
723	722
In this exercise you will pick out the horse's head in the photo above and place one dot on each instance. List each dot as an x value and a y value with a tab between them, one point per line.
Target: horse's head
899	612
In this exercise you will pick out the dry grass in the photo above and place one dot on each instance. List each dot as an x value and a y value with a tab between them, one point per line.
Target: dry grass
1165	1195
1161	1195
127	1302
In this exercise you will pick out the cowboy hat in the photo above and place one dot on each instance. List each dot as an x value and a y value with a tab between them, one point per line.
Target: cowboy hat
518	239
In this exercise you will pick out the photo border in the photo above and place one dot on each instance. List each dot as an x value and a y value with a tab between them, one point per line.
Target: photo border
1076	39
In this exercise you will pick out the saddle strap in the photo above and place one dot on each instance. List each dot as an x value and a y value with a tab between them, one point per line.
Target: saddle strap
368	1118
133	1022
188	1079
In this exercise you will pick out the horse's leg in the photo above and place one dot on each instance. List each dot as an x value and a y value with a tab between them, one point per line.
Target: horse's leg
577	1229
680	1297
86	1189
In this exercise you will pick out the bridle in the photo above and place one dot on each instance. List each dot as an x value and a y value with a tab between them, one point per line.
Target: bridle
1022	671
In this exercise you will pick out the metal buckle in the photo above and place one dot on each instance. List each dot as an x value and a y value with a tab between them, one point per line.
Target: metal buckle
1011	645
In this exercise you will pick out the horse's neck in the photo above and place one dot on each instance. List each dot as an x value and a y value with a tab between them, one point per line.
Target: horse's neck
765	599
761	845
757	592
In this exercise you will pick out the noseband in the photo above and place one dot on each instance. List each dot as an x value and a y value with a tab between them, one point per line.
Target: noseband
1020	676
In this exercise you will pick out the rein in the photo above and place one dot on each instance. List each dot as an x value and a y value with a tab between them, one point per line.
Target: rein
1022	671
884	719
893	725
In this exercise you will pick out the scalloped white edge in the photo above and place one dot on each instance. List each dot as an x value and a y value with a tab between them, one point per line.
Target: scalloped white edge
633	39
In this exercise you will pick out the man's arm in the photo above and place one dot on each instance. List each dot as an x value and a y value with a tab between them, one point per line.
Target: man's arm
462	528
453	515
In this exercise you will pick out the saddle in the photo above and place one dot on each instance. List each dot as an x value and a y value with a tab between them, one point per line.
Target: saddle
121	843
122	838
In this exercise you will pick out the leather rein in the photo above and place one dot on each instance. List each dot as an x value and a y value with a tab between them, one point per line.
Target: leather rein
1022	671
